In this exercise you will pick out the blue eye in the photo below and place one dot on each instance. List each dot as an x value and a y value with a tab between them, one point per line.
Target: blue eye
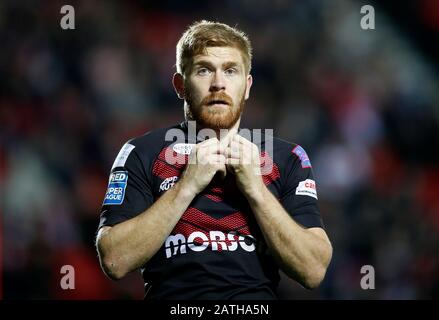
231	71
203	71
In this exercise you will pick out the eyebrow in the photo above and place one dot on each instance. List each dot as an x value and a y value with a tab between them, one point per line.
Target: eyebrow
225	65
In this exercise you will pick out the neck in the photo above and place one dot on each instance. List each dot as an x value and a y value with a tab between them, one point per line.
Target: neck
227	133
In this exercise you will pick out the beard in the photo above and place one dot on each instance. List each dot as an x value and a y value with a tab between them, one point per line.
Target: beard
213	117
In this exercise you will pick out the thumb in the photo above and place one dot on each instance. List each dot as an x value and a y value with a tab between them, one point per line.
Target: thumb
225	140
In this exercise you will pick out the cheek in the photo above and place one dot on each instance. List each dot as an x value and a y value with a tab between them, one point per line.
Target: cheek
191	91
197	90
239	93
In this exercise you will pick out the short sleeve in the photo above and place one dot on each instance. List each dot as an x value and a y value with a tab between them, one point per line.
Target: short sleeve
129	189
299	191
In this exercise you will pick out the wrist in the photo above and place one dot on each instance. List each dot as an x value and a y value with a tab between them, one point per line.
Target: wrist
256	195
185	190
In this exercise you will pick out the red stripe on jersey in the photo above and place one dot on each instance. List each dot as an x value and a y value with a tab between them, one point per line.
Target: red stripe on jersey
228	223
215	194
185	229
217	190
164	170
244	230
173	158
214	197
270	171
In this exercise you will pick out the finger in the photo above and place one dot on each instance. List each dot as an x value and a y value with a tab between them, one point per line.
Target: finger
208	142
241	139
236	147
227	135
222	146
232	161
232	153
244	154
214	159
225	141
210	147
249	148
217	146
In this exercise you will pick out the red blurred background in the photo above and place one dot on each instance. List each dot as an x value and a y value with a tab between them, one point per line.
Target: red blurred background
364	104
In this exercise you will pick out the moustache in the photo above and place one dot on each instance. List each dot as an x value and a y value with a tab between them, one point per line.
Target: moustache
219	98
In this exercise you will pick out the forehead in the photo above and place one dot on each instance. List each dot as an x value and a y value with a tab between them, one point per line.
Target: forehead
220	55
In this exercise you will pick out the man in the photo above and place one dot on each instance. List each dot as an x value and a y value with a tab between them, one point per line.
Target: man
201	220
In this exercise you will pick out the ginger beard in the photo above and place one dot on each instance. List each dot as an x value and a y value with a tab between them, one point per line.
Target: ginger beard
214	117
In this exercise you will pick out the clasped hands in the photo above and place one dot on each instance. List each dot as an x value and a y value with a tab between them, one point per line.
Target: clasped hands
234	154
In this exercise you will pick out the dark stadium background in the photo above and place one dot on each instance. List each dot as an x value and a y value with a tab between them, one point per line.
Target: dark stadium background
364	104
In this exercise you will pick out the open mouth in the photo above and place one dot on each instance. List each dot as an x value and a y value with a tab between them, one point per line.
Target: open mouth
217	102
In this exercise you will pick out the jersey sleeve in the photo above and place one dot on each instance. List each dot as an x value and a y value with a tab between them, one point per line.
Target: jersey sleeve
129	189
299	195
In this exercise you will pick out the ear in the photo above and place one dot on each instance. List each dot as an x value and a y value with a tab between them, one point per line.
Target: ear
178	82
248	86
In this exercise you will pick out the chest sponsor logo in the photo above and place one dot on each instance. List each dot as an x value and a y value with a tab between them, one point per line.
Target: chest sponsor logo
168	183
183	148
214	240
116	188
307	188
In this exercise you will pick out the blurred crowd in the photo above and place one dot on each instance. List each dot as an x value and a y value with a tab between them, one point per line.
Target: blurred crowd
364	104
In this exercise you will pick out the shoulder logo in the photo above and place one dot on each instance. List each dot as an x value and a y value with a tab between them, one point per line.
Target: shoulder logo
301	153
307	188
183	148
123	155
116	188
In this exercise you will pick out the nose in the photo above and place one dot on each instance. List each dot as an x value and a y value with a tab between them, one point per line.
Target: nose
218	82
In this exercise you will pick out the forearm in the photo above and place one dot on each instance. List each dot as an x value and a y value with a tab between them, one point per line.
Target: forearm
130	244
302	255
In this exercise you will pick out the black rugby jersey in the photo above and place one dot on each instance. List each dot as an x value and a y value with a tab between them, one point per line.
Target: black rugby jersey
216	250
